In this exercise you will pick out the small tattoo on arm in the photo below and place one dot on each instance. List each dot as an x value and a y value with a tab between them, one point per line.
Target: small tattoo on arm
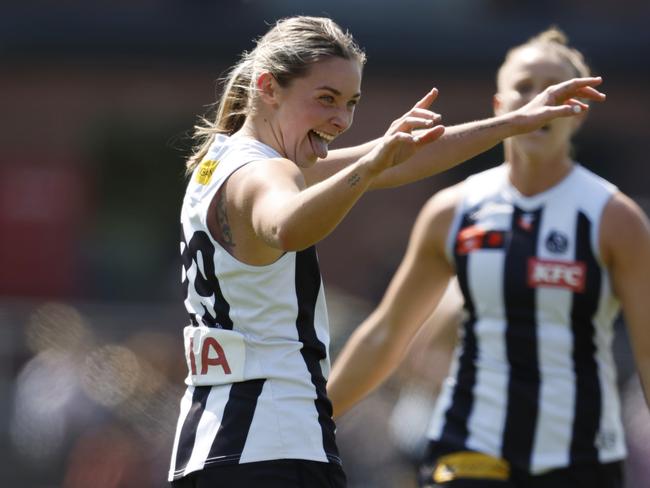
224	227
461	134
353	179
495	124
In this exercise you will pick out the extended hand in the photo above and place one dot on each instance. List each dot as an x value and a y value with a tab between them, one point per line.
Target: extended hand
400	141
560	100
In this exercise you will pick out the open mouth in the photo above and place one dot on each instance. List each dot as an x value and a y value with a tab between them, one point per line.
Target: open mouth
328	138
320	142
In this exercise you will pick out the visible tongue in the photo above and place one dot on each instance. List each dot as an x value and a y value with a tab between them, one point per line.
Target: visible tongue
318	145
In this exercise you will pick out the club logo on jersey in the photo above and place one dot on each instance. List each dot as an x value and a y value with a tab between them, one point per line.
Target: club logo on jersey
557	274
475	237
204	173
214	356
557	242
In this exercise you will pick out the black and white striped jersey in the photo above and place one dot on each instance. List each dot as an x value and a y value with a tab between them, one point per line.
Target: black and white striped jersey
257	343
533	379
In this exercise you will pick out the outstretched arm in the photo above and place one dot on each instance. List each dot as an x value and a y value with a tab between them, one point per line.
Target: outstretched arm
462	142
289	215
377	347
625	240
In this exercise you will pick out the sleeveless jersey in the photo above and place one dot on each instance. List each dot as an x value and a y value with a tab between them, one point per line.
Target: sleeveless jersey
257	343
533	379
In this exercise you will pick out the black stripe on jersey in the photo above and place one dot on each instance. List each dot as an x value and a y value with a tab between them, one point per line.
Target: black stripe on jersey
455	432
521	340
236	421
308	282
588	395
207	286
188	431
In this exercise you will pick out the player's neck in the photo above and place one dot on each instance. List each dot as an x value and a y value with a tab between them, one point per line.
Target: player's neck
532	176
259	126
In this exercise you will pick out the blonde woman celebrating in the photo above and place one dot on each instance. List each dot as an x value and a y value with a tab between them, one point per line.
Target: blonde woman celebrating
544	252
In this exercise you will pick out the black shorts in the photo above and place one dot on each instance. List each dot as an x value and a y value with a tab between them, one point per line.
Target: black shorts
468	469
281	473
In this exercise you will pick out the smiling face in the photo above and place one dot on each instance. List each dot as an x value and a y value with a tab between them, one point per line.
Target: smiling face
314	109
526	74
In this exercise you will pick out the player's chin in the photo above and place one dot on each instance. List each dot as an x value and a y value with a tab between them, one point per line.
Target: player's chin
532	143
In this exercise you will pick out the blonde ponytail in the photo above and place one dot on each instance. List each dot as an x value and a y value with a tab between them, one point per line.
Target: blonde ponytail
231	112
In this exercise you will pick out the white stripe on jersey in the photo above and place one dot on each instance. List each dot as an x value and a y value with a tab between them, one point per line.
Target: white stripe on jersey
557	395
186	404
487	419
277	429
208	427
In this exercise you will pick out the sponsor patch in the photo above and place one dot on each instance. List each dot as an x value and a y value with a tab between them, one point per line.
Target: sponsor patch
214	356
467	464
475	237
557	274
204	173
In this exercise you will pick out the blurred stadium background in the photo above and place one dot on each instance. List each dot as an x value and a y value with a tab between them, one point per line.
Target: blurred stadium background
97	101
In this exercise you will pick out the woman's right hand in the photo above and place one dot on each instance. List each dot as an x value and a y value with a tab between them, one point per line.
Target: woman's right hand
559	100
405	136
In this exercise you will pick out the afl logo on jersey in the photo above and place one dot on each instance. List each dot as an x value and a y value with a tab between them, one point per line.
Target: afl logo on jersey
204	173
526	221
556	242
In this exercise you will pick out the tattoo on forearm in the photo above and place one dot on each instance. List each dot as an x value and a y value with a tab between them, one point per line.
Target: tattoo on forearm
464	133
224	227
353	179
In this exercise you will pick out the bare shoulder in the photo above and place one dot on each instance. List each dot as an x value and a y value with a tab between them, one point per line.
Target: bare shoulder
263	176
624	227
439	210
435	218
269	172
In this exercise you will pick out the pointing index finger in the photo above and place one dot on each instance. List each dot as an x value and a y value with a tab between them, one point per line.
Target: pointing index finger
428	99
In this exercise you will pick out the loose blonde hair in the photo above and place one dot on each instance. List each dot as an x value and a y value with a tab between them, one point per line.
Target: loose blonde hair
555	41
287	51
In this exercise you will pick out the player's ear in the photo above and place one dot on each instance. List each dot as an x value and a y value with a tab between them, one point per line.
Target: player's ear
267	88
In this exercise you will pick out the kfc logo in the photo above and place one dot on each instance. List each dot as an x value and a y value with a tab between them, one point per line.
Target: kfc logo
557	274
